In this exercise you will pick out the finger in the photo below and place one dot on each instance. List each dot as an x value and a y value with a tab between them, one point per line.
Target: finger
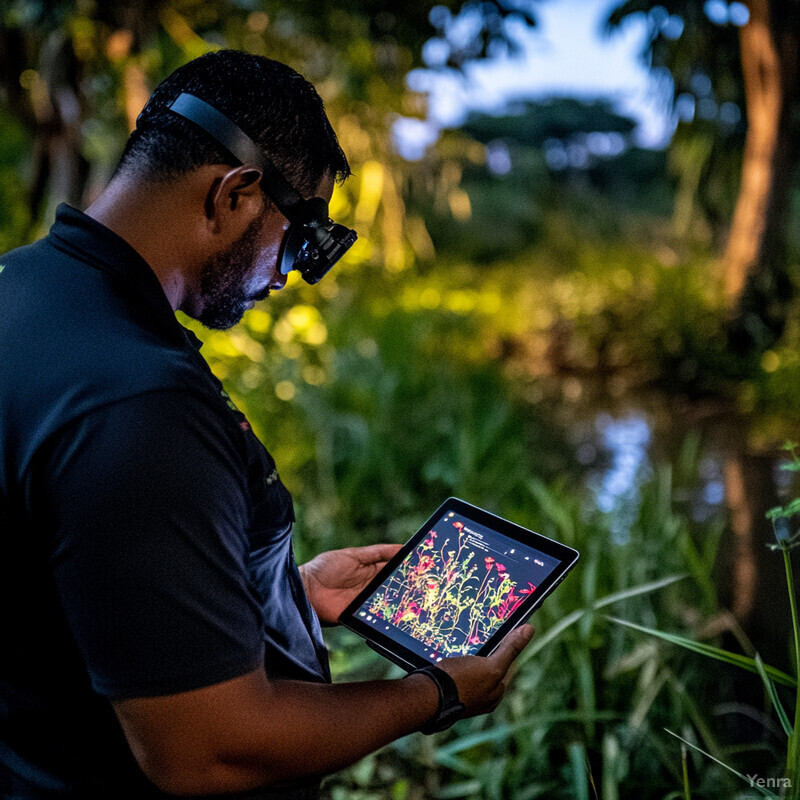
512	646
377	553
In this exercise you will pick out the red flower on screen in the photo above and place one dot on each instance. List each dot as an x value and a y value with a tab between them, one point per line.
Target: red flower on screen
406	614
425	563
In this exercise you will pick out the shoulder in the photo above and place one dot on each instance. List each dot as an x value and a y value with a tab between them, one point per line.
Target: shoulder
164	436
75	340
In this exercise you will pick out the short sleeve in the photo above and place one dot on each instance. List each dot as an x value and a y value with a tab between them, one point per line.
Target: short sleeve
145	501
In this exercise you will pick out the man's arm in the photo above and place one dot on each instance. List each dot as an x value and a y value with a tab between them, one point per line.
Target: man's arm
250	732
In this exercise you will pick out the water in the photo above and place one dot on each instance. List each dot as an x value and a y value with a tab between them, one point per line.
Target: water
717	476
616	489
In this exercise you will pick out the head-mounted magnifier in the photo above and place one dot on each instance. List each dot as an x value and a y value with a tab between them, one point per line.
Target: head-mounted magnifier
313	243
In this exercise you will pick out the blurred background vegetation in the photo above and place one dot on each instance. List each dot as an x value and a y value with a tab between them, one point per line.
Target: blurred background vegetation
598	340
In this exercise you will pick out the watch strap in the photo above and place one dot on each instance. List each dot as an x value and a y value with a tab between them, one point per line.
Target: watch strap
450	707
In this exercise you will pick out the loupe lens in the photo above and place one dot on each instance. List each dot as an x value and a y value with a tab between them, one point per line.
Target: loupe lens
313	249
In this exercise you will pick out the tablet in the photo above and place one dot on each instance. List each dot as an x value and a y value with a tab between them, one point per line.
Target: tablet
463	581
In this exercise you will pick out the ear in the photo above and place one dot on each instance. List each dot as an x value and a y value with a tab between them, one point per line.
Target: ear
235	197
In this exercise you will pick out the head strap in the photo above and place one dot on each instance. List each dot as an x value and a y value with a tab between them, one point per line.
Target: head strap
241	146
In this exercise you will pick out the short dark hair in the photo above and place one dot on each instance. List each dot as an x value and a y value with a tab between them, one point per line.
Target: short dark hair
272	103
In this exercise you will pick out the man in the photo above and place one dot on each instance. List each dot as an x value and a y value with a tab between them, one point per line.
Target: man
158	637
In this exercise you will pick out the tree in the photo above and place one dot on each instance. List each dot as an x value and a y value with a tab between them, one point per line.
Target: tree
74	76
725	58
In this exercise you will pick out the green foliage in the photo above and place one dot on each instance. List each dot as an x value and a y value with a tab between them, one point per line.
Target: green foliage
586	707
13	209
697	64
388	404
102	59
395	389
751	664
532	124
786	540
769	675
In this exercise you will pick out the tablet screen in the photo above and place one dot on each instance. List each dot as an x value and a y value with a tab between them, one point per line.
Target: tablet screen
455	588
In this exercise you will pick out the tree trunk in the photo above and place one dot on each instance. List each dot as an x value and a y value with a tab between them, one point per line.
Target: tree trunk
53	105
59	169
756	284
751	576
751	583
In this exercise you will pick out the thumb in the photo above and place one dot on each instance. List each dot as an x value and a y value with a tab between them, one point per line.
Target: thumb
377	553
512	645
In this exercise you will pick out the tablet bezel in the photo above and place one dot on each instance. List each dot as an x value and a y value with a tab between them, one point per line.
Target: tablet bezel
408	659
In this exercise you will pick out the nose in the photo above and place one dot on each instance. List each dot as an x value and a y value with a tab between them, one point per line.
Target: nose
278	280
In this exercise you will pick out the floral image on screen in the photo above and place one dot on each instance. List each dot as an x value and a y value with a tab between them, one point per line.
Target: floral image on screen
449	593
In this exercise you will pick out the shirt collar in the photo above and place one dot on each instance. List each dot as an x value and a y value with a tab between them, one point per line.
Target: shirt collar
80	235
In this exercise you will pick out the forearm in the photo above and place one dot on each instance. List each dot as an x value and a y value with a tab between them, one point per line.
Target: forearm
251	732
340	724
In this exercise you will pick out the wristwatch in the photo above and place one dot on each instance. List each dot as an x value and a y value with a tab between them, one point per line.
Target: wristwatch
450	707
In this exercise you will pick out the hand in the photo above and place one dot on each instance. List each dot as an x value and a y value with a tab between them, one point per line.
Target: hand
482	680
333	579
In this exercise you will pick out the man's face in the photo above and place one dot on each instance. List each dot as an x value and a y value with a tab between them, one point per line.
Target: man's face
245	272
232	280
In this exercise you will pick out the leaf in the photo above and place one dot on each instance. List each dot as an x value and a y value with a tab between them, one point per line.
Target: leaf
785	511
723	764
481	737
685	769
552	508
463	789
635	591
456	764
745	662
579	762
541	641
610	775
501	732
773	696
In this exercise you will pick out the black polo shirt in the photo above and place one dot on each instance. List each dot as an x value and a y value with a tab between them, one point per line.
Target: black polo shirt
145	536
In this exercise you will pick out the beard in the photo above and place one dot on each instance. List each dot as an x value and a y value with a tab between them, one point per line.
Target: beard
223	281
